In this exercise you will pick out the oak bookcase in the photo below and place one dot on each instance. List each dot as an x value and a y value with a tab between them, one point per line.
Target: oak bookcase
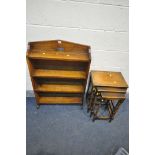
58	71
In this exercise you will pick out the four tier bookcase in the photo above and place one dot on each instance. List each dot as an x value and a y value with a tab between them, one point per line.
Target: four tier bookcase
58	71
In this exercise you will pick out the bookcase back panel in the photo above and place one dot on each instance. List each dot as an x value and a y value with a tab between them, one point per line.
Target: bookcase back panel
43	45
59	65
59	81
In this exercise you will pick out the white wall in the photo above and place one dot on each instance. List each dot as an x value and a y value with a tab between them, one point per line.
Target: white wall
102	24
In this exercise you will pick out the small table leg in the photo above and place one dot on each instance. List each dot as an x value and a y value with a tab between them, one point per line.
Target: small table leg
96	110
92	106
116	108
90	103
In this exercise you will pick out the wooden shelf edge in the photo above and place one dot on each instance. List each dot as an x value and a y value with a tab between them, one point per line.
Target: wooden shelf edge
68	56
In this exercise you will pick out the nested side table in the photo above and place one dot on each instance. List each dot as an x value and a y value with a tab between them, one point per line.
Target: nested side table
105	88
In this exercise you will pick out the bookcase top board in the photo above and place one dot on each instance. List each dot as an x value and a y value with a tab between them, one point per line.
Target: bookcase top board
58	50
58	45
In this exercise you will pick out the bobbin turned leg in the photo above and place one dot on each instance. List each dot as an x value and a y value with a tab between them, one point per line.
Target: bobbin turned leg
92	107
116	108
110	108
96	110
92	97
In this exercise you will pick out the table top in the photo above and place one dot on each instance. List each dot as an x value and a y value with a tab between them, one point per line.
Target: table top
108	78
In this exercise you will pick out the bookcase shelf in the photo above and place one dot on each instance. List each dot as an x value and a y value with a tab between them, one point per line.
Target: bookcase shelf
44	73
55	88
58	70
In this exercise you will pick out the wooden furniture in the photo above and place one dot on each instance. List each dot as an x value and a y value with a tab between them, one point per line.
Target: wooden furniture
58	71
105	88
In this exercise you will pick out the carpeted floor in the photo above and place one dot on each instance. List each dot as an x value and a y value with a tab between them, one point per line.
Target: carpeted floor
68	130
